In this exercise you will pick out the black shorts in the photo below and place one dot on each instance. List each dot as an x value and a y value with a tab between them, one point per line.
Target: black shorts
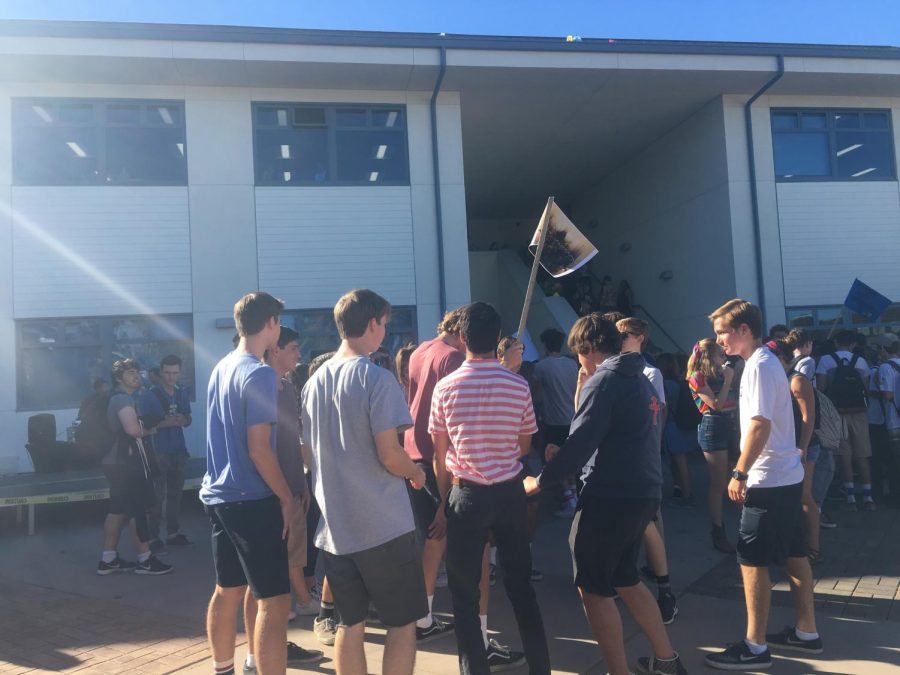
248	548
122	491
605	540
389	575
771	526
425	501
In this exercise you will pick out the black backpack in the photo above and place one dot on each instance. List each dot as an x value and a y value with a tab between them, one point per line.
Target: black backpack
846	388
93	437
687	417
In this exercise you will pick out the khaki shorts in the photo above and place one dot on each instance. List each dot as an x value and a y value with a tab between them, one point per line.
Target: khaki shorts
296	543
857	443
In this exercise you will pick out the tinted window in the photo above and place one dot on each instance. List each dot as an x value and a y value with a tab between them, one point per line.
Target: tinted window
798	154
91	142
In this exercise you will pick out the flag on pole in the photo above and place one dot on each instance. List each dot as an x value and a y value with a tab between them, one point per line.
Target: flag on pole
565	248
866	301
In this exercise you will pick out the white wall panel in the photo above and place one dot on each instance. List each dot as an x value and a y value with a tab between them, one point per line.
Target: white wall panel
833	232
315	243
81	251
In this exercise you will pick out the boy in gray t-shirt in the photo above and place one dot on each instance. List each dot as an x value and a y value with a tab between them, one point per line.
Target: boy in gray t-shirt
352	412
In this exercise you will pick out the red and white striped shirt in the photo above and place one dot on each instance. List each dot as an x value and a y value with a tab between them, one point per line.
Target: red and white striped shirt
484	408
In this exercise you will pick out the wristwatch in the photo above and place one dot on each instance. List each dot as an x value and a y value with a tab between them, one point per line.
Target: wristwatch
739	475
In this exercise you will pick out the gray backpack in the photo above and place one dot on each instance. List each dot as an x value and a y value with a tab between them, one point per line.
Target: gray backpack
830	427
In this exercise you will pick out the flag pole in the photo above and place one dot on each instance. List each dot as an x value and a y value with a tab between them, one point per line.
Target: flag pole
543	226
835	325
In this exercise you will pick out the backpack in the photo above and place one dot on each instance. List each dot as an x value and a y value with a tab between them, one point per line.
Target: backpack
93	437
846	389
830	427
687	417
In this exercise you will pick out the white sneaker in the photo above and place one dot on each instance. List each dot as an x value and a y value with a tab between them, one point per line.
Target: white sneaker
310	608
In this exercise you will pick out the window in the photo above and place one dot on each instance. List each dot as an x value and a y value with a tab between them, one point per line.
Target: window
832	145
91	142
824	321
59	359
330	145
319	335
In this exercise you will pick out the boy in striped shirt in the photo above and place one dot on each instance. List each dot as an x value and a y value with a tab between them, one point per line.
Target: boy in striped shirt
481	423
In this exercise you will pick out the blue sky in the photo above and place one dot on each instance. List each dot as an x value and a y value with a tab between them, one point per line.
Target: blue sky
869	22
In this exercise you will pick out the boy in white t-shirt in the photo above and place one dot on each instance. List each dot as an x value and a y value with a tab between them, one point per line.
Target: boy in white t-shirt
768	482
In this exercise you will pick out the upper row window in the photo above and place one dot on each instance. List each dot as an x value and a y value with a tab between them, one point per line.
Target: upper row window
336	145
832	144
93	142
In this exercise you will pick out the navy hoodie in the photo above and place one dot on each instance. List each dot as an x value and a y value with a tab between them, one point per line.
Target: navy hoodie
618	418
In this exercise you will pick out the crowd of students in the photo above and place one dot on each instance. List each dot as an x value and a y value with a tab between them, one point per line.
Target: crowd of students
440	459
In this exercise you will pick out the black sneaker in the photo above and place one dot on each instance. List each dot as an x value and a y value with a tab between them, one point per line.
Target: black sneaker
825	522
178	540
502	658
152	566
787	639
654	666
157	547
117	565
297	655
739	657
667	606
437	629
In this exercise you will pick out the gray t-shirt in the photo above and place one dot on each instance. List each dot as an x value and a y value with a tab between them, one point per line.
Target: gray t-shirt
117	402
558	376
287	439
343	406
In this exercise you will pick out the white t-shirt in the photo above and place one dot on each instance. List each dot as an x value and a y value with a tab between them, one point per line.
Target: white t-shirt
656	379
827	364
888	380
765	392
807	366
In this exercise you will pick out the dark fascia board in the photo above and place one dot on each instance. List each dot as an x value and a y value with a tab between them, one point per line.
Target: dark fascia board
202	33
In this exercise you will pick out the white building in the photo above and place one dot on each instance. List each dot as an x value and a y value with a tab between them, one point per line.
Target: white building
150	175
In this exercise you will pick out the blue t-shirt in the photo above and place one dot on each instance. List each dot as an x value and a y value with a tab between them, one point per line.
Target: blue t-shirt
168	440
242	393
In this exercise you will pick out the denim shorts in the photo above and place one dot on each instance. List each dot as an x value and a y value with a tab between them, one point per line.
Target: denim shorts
714	432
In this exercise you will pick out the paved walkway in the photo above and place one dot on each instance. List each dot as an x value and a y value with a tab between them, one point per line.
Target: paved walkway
56	615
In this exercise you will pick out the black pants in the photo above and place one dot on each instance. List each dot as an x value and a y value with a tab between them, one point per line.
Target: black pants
471	512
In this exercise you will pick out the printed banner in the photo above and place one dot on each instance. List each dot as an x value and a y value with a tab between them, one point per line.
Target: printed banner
565	249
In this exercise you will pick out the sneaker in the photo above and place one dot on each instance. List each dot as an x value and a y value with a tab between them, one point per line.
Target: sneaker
310	608
117	565
316	592
493	575
152	566
667	606
249	670
870	506
500	657
157	547
739	657
325	631
536	575
178	539
720	540
653	666
292	615
825	521
787	639
297	655
851	506
437	629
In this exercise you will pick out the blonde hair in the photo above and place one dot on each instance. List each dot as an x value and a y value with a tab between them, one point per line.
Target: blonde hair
736	312
450	323
635	326
702	359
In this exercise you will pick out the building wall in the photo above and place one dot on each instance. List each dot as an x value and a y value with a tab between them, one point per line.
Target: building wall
196	249
670	204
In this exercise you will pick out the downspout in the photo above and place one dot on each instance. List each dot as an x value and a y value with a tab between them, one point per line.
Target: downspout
438	210
754	197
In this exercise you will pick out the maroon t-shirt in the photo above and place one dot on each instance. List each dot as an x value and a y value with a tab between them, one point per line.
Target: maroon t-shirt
431	361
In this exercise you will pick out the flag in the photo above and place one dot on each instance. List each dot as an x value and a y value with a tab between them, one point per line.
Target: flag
866	301
565	249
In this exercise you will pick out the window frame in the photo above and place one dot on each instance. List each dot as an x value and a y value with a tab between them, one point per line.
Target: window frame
332	128
104	343
830	130
99	126
849	319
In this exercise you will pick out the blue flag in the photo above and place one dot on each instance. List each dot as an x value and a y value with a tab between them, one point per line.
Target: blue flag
866	301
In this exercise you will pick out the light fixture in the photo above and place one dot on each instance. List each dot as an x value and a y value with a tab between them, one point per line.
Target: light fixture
287	176
41	112
625	246
380	153
282	117
863	172
74	147
180	147
373	176
849	148
666	275
166	115
285	152
391	119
